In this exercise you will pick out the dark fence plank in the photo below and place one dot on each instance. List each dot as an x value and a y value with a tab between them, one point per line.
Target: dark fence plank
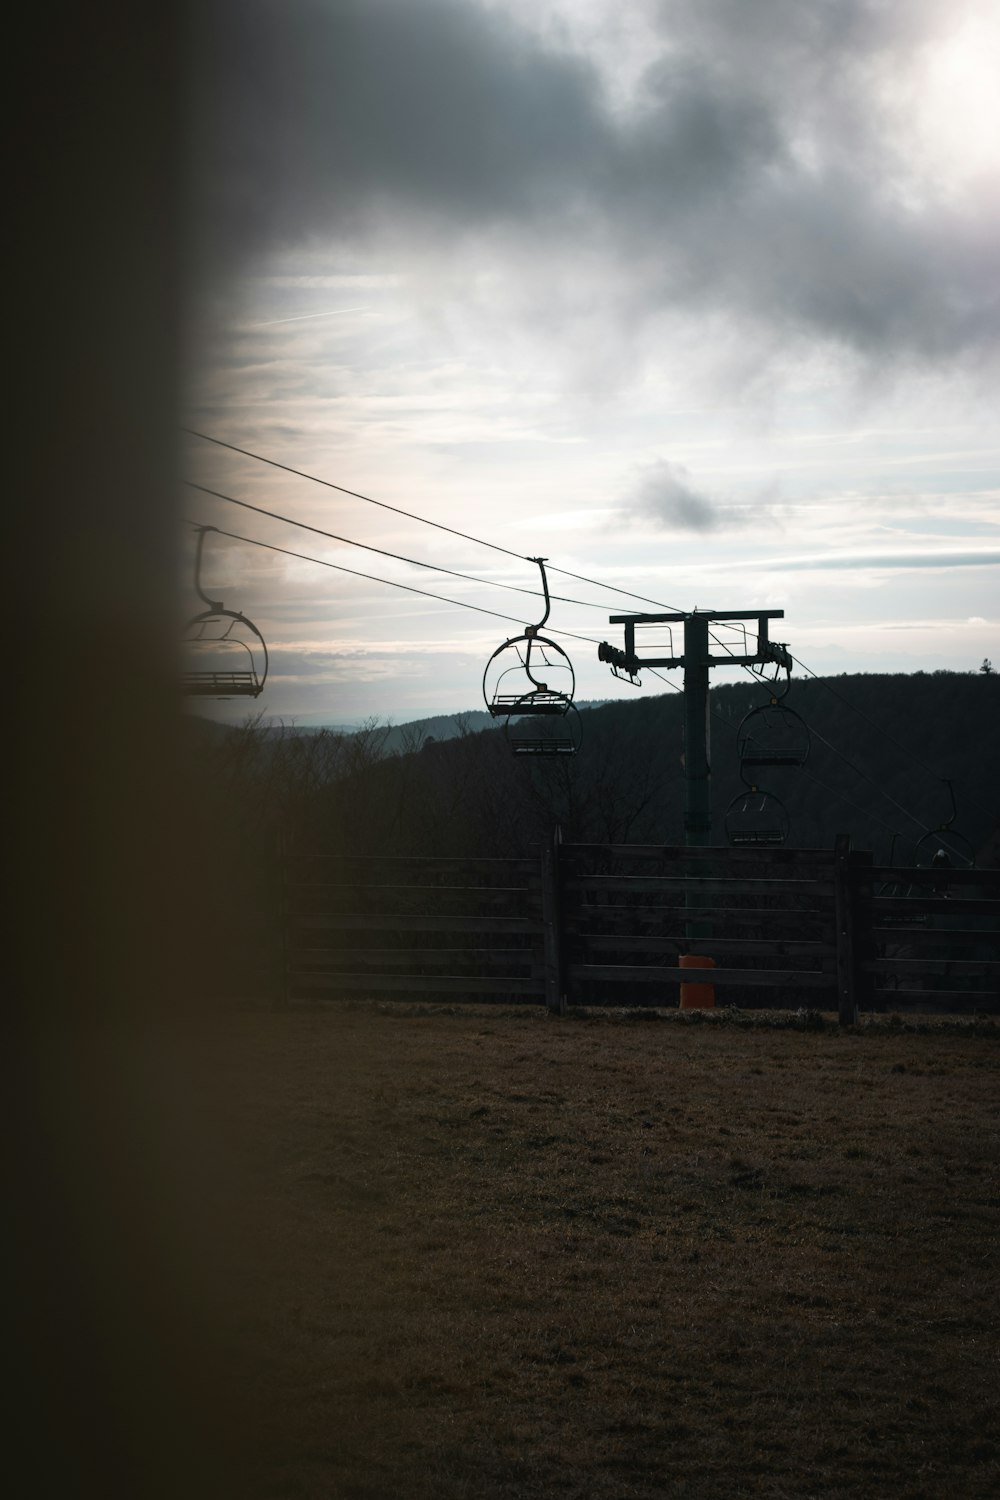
961	968
763	946
647	973
737	913
722	854
423	885
416	955
952	905
423	862
418	983
985	1000
935	876
411	922
733	886
917	936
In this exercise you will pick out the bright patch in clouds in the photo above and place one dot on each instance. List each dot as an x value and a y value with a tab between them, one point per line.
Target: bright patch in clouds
958	113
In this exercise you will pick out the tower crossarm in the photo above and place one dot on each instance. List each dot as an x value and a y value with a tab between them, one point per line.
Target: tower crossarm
767	650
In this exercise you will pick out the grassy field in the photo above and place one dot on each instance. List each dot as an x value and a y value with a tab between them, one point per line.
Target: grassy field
492	1254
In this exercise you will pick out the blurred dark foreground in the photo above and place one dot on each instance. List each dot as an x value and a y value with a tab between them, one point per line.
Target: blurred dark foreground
119	1209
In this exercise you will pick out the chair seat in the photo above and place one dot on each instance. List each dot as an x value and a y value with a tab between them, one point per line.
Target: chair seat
216	684
550	704
758	836
543	747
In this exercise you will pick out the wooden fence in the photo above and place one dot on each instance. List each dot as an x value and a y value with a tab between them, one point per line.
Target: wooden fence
595	924
462	928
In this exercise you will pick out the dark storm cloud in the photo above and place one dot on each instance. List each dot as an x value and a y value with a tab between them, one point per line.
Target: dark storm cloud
751	174
318	113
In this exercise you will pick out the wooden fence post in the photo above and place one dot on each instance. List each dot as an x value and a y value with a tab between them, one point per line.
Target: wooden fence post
861	861
843	911
555	994
281	850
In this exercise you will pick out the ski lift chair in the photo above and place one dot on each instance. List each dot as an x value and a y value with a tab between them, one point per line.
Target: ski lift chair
539	713
772	735
944	845
531	731
756	818
225	653
226	656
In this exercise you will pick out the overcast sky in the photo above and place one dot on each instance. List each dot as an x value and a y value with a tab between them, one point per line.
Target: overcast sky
697	298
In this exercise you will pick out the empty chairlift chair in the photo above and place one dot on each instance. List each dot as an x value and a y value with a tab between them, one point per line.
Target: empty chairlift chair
944	845
769	736
225	655
772	735
529	683
755	817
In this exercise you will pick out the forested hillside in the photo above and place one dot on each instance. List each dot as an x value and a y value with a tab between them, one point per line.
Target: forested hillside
881	750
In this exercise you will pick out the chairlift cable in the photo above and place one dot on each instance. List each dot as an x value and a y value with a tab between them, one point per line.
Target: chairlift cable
374	578
496	547
811	776
824	682
857	769
867	813
382	551
614	589
842	797
941	834
734	728
355	494
466	536
872	782
413	516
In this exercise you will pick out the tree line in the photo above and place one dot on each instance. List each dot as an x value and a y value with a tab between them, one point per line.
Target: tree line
882	748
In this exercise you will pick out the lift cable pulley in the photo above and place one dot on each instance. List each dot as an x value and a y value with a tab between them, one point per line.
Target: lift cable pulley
624	664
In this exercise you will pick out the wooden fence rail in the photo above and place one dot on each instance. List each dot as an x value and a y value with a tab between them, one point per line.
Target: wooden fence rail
359	926
600	924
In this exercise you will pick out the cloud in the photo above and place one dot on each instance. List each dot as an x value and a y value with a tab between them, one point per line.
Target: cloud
320	117
667	496
761	172
861	561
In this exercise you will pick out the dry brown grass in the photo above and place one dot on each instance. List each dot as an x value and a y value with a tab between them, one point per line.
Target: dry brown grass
495	1255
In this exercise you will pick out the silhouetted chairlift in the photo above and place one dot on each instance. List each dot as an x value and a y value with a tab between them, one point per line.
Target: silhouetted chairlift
225	653
756	817
538	710
772	735
944	845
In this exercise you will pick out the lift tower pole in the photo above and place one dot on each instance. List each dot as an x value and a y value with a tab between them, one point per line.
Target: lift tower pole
697	766
697	662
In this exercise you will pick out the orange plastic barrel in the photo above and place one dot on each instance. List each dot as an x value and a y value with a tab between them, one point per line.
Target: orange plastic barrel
697	996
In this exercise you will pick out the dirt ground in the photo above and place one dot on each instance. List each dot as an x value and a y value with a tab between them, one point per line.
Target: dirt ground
487	1253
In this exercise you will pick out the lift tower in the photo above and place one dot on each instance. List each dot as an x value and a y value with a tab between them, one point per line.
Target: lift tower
697	661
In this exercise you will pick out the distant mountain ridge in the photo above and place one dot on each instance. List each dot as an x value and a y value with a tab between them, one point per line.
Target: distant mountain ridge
410	734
